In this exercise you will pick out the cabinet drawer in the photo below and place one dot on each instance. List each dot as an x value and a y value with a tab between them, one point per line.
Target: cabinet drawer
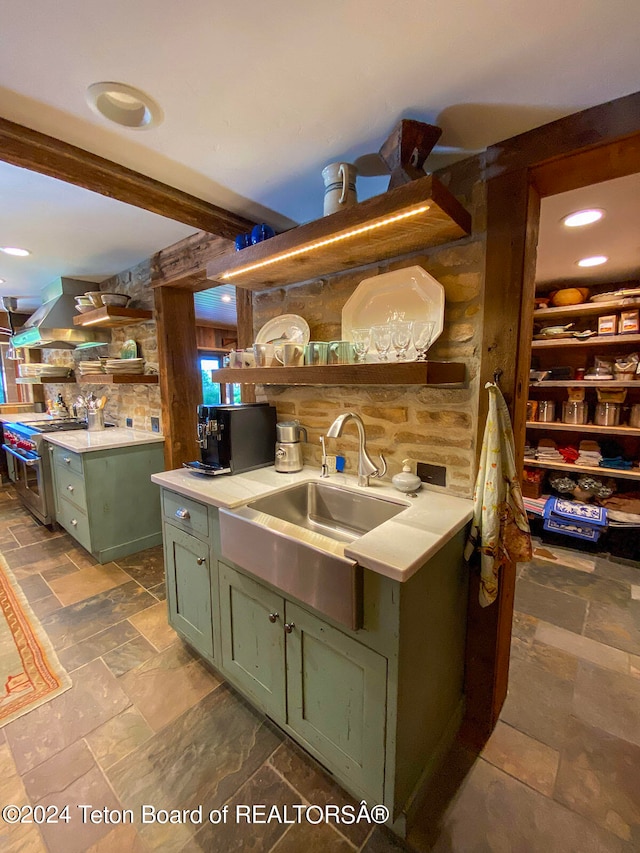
189	515
67	459
74	521
70	486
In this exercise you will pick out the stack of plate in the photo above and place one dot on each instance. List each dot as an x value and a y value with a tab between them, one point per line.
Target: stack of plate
35	369
90	367
124	365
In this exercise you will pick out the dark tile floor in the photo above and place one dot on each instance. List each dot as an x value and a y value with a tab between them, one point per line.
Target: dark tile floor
146	723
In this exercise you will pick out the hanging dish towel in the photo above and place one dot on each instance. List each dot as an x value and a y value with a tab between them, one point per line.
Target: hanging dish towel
500	528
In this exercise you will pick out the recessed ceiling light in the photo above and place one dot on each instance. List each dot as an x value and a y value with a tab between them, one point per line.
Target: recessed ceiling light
2	281
12	250
124	105
225	298
583	217
593	261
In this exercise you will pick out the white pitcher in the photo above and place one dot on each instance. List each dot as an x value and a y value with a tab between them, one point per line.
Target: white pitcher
339	186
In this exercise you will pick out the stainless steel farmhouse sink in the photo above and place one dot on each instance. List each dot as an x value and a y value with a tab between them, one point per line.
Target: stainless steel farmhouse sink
295	538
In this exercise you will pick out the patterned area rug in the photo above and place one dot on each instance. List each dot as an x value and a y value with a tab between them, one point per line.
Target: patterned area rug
30	672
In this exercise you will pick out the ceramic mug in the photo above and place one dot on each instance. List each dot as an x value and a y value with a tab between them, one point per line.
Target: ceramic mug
339	186
264	355
248	358
316	352
290	354
341	352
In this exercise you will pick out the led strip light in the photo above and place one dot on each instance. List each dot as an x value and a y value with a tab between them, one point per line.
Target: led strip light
355	232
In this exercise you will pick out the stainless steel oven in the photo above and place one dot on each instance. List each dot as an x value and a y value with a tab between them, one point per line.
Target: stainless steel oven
24	445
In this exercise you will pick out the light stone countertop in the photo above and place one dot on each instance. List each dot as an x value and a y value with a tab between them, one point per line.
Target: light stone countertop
25	417
397	548
84	441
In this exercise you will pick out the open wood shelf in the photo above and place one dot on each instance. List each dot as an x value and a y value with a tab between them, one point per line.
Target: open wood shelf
632	474
415	216
110	316
394	373
43	380
119	378
596	341
602	430
585	309
585	383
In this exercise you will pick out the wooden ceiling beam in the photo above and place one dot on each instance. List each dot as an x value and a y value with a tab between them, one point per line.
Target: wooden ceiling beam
30	149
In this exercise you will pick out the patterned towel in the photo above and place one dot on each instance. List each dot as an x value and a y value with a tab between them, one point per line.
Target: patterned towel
500	528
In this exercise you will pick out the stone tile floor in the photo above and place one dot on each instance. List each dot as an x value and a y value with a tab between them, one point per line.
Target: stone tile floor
145	722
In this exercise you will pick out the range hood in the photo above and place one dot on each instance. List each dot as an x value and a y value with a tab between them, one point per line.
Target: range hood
51	326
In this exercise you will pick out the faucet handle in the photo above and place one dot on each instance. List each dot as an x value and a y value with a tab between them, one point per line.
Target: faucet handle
381	471
324	469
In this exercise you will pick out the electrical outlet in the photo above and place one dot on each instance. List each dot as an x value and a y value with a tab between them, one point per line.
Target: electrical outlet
331	464
436	475
129	422
155	424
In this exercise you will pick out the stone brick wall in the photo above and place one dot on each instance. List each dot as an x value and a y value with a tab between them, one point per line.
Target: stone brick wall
433	425
137	401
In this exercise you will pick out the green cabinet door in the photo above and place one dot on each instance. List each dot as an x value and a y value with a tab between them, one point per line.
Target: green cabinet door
336	691
252	621
189	588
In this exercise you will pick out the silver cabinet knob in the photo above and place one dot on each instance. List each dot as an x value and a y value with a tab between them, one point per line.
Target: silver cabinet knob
74	522
69	488
183	513
289	626
67	459
273	617
201	560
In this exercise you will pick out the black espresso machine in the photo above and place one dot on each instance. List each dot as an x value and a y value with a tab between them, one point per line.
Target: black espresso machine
235	438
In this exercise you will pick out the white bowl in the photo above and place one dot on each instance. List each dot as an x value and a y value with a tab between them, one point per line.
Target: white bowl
117	299
84	308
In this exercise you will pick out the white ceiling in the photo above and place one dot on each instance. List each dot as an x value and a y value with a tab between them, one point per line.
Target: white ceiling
258	97
615	236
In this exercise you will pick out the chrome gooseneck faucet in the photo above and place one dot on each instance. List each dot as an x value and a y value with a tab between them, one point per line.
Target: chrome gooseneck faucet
366	467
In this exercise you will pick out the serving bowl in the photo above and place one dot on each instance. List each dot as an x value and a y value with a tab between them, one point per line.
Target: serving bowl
116	299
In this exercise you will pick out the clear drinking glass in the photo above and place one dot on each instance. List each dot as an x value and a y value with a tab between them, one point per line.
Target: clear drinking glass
401	337
381	335
361	342
422	335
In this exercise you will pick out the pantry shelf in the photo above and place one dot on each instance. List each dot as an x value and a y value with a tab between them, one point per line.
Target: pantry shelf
596	341
594	428
633	474
588	309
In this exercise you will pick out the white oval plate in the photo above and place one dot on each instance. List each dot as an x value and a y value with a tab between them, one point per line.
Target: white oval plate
410	291
286	327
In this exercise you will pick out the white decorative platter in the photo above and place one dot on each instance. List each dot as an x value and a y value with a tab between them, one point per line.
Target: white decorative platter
286	327
410	291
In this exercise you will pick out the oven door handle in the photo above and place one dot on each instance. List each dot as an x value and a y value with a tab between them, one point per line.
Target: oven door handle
30	462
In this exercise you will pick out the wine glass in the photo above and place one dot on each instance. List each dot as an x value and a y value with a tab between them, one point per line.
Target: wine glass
382	340
401	337
422	335
361	339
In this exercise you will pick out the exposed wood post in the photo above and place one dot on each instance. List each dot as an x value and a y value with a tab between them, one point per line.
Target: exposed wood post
244	313
180	390
513	210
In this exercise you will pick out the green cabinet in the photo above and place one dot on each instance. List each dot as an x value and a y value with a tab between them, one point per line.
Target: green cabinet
188	579
252	619
106	500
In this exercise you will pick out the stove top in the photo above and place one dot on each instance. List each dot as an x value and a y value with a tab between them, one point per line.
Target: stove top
56	426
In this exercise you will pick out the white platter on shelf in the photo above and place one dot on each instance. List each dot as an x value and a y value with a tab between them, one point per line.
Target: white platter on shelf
410	291
286	327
